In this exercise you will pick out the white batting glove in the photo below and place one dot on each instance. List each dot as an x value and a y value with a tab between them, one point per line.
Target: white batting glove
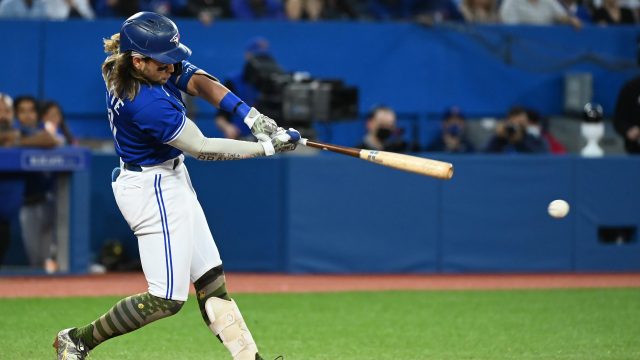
262	126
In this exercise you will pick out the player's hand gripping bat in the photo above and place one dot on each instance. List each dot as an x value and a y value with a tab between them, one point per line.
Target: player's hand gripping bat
414	164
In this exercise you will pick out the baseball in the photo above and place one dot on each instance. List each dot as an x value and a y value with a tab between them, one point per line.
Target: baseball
558	208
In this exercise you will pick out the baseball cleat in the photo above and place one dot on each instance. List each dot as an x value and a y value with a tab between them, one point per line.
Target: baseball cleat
69	348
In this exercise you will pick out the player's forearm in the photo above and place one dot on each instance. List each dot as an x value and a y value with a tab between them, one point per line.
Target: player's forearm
192	141
207	88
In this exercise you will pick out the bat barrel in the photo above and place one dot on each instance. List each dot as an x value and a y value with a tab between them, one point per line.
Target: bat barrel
434	168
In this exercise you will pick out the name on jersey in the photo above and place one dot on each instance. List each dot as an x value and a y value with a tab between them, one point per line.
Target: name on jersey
116	103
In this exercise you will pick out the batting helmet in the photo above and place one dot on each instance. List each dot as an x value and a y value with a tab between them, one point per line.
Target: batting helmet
153	35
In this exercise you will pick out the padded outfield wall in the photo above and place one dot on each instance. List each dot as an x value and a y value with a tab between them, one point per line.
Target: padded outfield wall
335	214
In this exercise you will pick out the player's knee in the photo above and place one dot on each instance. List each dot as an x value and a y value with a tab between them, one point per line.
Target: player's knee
176	306
167	306
212	284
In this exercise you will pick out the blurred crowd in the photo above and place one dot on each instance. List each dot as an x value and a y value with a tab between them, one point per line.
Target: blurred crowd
533	12
522	131
27	122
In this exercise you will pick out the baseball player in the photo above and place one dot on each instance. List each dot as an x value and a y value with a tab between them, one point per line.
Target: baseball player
144	73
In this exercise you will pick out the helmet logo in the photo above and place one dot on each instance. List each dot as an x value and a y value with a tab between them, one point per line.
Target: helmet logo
176	39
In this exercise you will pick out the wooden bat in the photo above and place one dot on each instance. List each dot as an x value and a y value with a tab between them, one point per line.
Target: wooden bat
414	164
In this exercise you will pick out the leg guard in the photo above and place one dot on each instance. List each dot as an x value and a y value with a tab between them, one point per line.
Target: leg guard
227	323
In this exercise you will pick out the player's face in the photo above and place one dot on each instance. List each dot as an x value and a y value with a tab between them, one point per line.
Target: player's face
155	71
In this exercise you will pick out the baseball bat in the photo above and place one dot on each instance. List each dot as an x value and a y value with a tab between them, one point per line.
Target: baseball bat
434	168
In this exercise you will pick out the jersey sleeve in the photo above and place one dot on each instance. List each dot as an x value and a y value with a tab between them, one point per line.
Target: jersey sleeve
181	78
162	120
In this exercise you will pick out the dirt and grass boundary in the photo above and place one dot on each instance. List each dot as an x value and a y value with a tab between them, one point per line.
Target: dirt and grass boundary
130	283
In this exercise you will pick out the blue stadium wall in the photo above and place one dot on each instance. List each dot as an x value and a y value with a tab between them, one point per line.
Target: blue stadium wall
332	214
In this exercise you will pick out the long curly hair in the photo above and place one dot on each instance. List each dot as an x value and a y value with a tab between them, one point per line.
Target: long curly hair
118	72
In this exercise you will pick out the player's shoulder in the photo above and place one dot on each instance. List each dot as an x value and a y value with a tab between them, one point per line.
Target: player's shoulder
150	98
150	94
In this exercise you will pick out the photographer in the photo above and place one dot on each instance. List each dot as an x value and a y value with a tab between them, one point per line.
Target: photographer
517	134
382	131
452	138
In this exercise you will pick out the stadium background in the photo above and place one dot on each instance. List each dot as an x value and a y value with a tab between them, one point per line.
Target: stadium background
330	214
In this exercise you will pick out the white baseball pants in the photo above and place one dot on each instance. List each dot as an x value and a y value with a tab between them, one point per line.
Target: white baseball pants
176	246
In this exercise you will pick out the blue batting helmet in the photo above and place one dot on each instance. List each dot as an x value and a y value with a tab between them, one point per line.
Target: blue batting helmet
153	35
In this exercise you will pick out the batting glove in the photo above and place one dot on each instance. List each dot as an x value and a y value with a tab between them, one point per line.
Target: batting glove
285	140
262	126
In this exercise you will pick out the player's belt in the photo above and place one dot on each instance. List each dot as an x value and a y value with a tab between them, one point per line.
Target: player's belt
138	168
132	167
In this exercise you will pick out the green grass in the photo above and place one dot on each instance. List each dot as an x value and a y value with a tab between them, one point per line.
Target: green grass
491	325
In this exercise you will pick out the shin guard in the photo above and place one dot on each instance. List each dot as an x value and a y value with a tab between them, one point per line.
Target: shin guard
227	323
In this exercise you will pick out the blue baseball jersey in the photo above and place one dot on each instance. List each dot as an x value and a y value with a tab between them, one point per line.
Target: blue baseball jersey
142	127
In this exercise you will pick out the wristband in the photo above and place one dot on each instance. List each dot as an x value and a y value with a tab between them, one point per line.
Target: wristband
232	104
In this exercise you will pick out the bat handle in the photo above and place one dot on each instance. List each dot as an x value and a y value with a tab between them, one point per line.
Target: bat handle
302	141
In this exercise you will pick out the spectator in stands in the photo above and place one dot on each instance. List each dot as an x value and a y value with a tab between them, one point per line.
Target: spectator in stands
424	12
452	138
634	5
480	11
23	9
36	214
54	123
578	9
314	10
436	11
65	9
340	10
536	12
538	124
116	8
207	11
304	9
164	7
382	131
11	201
32	133
611	13
257	9
626	118
517	135
9	134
